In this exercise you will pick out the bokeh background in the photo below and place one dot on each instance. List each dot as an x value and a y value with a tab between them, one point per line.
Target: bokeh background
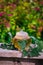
21	14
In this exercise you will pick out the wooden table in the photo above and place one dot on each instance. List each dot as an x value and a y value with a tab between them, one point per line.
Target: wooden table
9	55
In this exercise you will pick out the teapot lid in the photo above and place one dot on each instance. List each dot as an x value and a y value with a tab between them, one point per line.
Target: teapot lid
22	35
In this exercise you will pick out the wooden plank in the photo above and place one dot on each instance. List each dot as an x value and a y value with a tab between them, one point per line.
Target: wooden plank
16	56
6	63
14	53
9	53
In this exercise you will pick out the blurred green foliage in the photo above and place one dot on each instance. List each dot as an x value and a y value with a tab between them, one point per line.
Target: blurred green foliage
27	16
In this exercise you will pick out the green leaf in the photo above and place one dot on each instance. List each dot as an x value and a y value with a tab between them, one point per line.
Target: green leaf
25	53
34	52
33	39
22	44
